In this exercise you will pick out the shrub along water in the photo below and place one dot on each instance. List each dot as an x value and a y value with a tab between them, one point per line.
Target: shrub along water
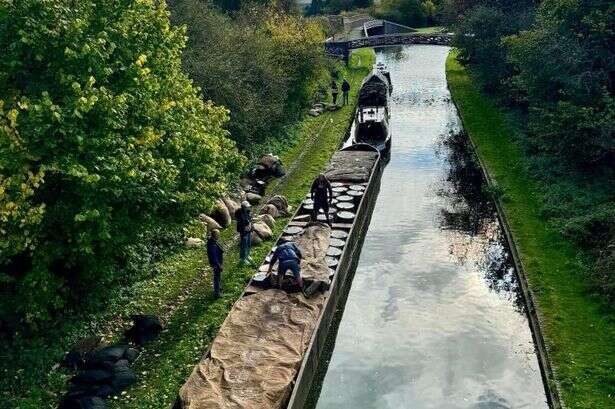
555	63
104	145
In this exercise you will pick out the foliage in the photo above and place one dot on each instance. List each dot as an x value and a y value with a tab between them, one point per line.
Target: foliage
572	97
103	141
478	35
558	68
578	328
261	65
180	292
408	12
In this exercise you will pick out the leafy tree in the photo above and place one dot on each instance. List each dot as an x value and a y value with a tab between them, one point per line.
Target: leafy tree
103	143
566	66
479	33
261	65
408	12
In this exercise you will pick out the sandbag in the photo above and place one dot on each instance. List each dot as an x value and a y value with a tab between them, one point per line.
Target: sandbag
123	376
268	160
76	356
193	242
280	203
267	219
131	354
145	329
255	239
99	358
209	222
231	205
263	231
270	210
221	214
253	198
91	377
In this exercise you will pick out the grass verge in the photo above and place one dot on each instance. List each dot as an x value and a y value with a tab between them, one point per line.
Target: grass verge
578	327
181	292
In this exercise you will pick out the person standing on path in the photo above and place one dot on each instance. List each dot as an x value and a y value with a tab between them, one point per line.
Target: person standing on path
334	91
289	257
322	194
243	216
215	254
345	91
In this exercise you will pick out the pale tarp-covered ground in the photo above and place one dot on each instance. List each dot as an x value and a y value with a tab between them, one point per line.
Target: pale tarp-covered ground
260	346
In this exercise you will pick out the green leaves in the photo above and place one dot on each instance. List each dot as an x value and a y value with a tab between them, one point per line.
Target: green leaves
103	139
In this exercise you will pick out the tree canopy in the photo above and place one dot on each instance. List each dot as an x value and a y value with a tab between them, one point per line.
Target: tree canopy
104	144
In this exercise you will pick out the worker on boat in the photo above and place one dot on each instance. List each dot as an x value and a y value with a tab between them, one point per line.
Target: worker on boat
288	257
243	216
215	255
321	194
345	91
334	91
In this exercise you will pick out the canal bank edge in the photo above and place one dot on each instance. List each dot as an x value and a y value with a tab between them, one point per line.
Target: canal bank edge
550	382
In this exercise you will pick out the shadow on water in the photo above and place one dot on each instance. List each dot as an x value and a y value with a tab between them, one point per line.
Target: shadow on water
471	211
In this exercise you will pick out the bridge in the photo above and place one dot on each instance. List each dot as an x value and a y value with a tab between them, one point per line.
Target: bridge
380	33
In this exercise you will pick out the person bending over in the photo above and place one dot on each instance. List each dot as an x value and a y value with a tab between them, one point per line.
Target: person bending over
289	257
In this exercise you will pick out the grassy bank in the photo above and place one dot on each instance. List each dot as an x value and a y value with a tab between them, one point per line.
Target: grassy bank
180	291
579	329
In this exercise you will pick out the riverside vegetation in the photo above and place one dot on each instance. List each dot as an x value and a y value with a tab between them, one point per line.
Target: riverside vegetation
134	154
571	291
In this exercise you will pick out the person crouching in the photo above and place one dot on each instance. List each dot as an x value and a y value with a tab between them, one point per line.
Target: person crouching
289	257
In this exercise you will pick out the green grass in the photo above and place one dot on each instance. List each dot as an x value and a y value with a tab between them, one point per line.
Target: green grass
181	293
430	30
579	329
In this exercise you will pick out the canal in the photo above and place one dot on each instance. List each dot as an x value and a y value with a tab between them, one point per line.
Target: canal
434	318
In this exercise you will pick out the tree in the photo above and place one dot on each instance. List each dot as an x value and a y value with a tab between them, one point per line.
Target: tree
565	69
103	143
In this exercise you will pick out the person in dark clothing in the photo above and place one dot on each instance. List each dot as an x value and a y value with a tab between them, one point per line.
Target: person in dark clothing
345	91
334	91
215	254
244	228
289	257
321	194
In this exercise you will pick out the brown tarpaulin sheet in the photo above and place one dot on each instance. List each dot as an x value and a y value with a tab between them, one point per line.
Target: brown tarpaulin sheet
260	346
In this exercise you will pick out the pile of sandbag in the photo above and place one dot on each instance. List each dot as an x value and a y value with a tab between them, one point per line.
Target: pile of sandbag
269	166
103	371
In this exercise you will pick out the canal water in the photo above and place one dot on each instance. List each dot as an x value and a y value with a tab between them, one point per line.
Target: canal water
434	317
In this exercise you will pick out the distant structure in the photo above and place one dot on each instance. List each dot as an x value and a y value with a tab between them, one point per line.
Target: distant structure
365	31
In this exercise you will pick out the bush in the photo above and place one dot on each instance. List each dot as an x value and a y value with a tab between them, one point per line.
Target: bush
262	65
103	142
408	12
565	65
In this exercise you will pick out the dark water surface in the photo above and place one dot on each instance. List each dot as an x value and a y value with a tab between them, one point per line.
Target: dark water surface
433	318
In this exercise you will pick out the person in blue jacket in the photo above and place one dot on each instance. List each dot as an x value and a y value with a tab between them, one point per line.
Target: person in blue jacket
289	257
215	254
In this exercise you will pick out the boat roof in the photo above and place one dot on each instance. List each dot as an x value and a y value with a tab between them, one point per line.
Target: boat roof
371	114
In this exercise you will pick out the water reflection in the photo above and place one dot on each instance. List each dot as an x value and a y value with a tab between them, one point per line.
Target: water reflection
431	319
469	209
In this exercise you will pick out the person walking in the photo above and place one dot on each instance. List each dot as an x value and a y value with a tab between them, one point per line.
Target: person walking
243	216
334	91
345	91
215	254
321	194
289	257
